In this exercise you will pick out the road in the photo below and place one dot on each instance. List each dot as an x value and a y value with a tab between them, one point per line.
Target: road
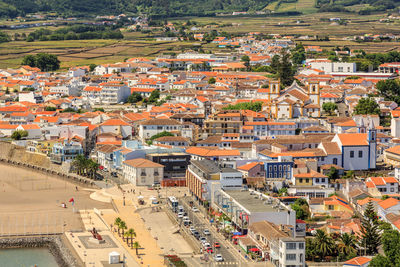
200	223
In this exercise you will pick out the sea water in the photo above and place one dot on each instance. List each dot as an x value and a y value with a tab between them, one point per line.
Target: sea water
27	257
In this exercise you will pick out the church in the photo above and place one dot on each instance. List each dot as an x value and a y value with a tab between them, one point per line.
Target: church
294	101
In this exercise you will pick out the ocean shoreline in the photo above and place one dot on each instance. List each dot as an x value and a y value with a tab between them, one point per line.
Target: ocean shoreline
62	254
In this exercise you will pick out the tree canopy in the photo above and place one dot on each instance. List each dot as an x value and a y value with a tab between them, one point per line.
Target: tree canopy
389	89
367	106
329	107
43	61
254	106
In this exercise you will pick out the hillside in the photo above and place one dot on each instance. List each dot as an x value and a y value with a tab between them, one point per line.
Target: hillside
171	8
13	8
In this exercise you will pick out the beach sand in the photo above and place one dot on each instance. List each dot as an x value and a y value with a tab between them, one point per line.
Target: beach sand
30	202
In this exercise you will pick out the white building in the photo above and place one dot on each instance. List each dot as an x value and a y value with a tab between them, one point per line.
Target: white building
116	126
155	126
276	244
142	172
328	67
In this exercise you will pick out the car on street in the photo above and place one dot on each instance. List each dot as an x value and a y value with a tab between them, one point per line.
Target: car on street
206	245
218	258
206	232
217	245
203	239
196	235
192	229
194	209
180	214
187	222
209	250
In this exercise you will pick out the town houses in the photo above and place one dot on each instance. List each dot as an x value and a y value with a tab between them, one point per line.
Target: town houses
266	155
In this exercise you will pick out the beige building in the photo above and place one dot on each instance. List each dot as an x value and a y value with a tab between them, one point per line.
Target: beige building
142	172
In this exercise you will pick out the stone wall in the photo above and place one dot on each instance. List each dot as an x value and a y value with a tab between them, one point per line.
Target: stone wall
55	245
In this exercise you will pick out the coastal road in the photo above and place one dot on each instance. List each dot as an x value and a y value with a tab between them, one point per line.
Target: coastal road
200	223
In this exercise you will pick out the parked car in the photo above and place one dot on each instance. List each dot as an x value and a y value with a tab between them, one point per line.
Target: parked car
192	229
203	239
206	245
194	209
206	232
218	258
210	250
217	245
180	214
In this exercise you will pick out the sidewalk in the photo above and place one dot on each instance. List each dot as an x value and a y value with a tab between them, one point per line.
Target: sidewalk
150	254
93	254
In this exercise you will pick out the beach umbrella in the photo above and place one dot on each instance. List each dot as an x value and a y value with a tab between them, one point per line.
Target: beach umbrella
140	197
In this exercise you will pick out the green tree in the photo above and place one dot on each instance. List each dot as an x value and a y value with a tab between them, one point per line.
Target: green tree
370	232
283	68
212	80
28	89
19	134
254	106
380	261
246	61
162	134
367	106
48	108
136	246
154	96
389	89
29	60
130	234
347	246
324	244
123	227
92	67
329	107
301	208
282	191
117	221
44	61
134	98
298	54
391	246
333	174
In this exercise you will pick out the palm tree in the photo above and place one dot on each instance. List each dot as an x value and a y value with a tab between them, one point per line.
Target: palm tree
324	244
80	164
130	233
347	244
136	246
93	167
117	222
122	225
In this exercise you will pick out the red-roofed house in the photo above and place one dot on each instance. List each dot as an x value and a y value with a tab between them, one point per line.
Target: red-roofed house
116	126
357	262
379	186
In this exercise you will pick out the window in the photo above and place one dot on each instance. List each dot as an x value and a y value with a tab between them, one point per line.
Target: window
351	154
334	161
391	189
270	168
290	245
322	180
301	245
290	257
275	168
317	180
280	168
360	154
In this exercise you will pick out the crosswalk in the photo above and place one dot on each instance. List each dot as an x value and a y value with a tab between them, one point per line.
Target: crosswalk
226	263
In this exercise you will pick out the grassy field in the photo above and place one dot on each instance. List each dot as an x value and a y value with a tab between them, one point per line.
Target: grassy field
136	44
84	52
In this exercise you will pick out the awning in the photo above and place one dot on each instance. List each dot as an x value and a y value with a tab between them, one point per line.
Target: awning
237	233
254	249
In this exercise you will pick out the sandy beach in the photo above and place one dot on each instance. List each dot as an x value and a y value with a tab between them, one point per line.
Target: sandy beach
30	202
